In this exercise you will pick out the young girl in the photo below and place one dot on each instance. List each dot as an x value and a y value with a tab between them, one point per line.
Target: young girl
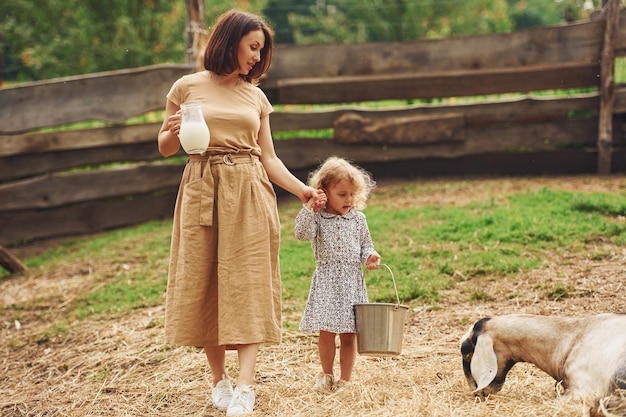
341	243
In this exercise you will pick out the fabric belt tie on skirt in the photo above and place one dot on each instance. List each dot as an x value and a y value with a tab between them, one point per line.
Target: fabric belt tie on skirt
208	185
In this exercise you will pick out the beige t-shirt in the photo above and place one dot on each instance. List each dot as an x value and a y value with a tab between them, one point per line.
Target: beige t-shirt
233	114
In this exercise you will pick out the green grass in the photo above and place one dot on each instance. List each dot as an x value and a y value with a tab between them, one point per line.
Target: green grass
126	269
429	249
308	134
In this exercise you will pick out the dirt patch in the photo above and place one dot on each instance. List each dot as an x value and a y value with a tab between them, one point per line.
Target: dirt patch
122	367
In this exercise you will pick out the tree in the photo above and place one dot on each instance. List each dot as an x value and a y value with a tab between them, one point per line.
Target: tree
278	14
331	21
534	13
397	20
55	38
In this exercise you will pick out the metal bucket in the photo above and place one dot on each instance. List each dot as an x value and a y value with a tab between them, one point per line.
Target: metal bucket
380	326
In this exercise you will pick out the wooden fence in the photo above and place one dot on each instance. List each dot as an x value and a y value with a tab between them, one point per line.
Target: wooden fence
46	189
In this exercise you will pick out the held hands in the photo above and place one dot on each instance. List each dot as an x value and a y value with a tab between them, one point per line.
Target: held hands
373	261
317	200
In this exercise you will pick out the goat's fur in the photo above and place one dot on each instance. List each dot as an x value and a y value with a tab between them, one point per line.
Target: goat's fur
585	355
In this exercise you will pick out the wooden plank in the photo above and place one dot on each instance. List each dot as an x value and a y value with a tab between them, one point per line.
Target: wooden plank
62	189
87	97
565	43
564	162
299	154
25	165
620	38
415	130
619	103
348	89
560	44
512	110
78	139
23	226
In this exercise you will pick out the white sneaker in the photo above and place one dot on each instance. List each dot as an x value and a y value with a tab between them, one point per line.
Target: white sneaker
242	402
342	383
324	382
222	393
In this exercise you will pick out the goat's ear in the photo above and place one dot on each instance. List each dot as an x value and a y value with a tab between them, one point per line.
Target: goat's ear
484	364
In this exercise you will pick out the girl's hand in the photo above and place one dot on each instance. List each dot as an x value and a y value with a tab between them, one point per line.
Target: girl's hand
373	261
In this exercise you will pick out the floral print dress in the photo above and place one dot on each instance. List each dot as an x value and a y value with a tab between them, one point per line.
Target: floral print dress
341	245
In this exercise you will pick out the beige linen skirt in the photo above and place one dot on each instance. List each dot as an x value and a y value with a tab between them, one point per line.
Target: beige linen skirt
224	283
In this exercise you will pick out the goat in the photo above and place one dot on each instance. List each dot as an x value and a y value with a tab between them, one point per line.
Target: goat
585	355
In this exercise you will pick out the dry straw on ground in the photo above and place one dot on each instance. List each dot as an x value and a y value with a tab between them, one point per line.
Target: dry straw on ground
122	368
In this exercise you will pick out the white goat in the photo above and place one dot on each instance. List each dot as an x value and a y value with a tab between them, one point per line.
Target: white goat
585	355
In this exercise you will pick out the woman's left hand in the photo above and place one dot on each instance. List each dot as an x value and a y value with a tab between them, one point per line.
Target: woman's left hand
316	199
318	202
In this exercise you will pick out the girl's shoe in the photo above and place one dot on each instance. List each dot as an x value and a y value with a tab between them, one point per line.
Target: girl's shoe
324	382
242	402
222	393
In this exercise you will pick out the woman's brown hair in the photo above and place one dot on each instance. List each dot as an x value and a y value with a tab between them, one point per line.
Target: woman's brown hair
220	55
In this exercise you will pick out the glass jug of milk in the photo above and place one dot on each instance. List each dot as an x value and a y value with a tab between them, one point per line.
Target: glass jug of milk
194	133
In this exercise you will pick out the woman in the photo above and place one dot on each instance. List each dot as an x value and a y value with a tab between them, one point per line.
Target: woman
224	288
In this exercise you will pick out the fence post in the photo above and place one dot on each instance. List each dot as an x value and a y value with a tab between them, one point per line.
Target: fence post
9	262
607	88
197	33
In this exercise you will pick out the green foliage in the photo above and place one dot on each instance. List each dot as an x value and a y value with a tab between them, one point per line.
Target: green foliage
478	294
533	13
298	134
65	37
559	292
278	13
336	21
605	204
135	273
431	247
620	70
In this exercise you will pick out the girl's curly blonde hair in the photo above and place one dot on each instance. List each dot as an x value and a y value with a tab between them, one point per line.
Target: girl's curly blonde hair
335	169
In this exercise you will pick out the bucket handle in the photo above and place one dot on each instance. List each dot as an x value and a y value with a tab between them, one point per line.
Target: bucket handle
394	284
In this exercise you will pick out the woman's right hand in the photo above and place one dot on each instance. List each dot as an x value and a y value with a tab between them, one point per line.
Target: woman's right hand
174	121
168	140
